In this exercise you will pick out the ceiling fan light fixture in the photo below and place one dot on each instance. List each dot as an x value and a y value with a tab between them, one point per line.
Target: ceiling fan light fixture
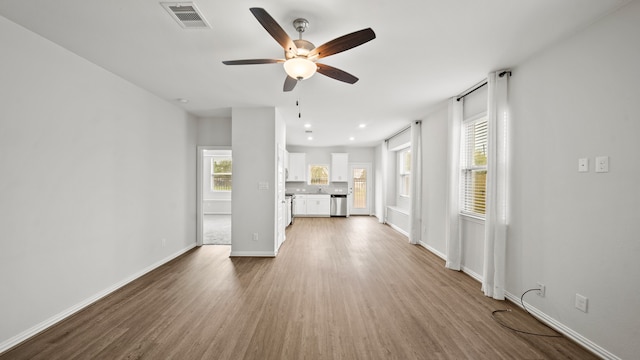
300	68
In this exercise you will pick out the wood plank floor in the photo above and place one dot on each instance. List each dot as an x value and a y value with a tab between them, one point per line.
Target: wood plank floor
341	288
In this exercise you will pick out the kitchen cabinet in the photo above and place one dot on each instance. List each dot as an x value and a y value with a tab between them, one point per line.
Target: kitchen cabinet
339	167
297	167
300	205
313	205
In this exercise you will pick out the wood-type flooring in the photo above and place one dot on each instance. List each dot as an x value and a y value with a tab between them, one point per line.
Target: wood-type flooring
340	288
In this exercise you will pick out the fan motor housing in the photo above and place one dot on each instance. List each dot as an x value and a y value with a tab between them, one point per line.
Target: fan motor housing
304	47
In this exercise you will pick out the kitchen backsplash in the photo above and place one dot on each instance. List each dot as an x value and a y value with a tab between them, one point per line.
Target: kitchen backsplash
303	188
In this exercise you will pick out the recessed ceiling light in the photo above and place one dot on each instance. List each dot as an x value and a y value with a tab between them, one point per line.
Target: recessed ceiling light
363	126
181	100
310	138
352	138
307	125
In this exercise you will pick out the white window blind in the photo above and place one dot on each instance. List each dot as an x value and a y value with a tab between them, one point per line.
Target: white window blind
474	167
404	172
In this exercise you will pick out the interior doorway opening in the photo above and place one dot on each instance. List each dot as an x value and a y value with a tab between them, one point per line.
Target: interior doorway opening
215	177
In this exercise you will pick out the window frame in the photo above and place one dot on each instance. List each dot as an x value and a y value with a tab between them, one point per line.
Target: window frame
469	166
213	173
402	172
311	178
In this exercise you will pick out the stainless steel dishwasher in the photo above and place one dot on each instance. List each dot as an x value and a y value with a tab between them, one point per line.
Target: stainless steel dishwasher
338	205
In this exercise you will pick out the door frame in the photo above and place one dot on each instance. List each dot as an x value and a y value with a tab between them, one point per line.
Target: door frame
369	168
199	184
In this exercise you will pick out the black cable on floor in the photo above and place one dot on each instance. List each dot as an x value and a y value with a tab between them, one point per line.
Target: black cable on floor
527	311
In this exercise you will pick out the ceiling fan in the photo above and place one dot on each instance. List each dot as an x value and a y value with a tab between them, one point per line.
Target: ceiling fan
301	56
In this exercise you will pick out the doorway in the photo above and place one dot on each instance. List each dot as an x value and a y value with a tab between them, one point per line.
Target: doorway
214	195
360	188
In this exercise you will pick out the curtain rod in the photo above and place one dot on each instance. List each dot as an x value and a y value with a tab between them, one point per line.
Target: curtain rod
398	132
483	83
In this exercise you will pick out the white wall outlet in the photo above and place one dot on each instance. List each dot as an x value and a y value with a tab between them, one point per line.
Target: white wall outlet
581	302
583	165
602	164
164	242
255	236
542	290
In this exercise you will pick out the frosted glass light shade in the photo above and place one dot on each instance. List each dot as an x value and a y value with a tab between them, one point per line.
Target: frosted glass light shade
300	68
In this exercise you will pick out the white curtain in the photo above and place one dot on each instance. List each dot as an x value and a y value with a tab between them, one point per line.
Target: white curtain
385	180
497	187
454	241
415	191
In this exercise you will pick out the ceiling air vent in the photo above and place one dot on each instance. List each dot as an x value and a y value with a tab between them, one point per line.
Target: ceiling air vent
186	14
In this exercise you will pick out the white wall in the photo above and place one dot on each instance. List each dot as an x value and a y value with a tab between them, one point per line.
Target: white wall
578	232
255	135
95	174
214	131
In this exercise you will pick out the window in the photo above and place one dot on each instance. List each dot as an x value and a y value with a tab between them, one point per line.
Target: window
319	174
220	173
474	166
404	172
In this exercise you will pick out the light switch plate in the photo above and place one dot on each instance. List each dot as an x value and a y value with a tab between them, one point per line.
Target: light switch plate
581	302
602	164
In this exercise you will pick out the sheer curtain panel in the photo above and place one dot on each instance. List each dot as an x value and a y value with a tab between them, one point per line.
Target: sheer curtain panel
497	187
385	180
454	242
415	192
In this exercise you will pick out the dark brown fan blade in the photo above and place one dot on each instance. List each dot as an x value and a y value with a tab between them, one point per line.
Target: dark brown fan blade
274	29
253	61
289	83
337	74
343	43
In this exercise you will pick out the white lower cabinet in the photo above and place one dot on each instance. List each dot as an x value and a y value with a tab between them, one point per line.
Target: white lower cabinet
300	206
313	205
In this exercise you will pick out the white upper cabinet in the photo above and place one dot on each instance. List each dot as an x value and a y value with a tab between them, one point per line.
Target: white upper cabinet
297	167
339	167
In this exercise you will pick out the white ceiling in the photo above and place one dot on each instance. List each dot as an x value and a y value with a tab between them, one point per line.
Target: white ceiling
425	52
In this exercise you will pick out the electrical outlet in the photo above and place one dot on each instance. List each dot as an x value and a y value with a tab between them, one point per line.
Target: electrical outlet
541	290
583	165
164	242
255	236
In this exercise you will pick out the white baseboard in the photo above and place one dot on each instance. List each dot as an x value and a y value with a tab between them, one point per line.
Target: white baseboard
252	254
472	273
15	340
564	330
433	250
398	229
